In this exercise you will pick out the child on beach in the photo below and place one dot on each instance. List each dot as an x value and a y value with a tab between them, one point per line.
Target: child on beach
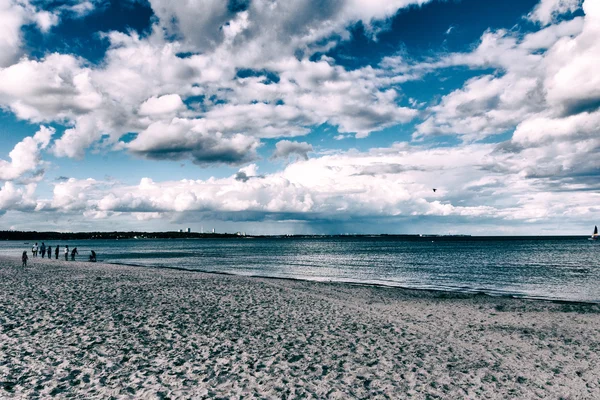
67	253
57	251
49	251
24	258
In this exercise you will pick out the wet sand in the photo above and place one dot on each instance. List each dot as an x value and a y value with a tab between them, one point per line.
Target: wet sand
84	330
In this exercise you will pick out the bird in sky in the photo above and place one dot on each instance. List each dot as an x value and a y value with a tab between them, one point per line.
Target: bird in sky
434	190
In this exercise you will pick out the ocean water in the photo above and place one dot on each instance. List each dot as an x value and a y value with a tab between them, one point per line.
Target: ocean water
548	268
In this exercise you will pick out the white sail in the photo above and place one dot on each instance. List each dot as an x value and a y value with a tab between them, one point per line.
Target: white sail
595	234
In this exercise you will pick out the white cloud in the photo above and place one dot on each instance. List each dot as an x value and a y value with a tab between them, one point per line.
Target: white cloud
486	105
474	180
57	88
543	129
545	38
241	82
143	81
547	11
81	8
25	157
572	81
546	74
292	25
13	16
167	104
184	138
17	198
285	149
71	195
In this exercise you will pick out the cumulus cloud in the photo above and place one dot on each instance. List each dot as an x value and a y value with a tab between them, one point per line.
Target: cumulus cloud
485	106
144	81
295	25
285	149
209	82
540	130
246	173
475	180
572	81
71	195
13	16
25	156
166	104
482	181
183	138
57	88
17	198
545	74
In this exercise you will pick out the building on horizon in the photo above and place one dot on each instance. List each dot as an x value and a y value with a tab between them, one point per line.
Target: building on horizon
189	230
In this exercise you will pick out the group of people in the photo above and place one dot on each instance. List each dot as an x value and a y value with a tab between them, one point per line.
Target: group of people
43	250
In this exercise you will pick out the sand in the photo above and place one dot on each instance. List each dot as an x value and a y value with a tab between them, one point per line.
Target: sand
84	330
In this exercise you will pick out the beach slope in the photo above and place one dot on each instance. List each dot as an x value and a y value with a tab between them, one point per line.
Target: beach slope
72	329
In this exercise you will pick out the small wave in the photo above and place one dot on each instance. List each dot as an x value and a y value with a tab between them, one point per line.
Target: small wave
386	284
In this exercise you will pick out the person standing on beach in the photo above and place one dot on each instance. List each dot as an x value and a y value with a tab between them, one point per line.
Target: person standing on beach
34	250
49	251
73	254
57	251
43	250
24	259
67	253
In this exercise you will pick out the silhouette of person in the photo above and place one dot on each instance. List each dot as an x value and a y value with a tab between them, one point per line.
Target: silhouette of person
24	258
73	252
49	251
43	250
93	256
57	251
67	253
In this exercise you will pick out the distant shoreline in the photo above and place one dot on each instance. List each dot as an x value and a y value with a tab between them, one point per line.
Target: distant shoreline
117	235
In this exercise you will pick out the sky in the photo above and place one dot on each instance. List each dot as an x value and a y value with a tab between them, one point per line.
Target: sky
300	116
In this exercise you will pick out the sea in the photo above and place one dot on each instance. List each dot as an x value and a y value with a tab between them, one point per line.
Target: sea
551	268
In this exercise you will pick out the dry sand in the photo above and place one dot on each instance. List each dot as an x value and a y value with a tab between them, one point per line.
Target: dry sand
83	330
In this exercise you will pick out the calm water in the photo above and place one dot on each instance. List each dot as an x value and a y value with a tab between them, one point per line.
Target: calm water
551	268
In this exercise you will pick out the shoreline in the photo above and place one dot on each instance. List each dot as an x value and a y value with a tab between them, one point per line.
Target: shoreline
442	292
95	330
458	292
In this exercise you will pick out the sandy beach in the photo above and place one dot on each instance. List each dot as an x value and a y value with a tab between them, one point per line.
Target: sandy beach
84	330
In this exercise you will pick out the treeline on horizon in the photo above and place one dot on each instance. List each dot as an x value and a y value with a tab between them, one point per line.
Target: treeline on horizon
49	235
37	236
34	235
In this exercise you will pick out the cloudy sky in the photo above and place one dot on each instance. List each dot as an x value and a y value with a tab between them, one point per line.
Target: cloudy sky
300	116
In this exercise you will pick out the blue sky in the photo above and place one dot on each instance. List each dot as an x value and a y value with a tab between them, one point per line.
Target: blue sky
300	117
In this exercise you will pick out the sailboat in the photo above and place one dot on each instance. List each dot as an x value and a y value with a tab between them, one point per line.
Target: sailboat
595	234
